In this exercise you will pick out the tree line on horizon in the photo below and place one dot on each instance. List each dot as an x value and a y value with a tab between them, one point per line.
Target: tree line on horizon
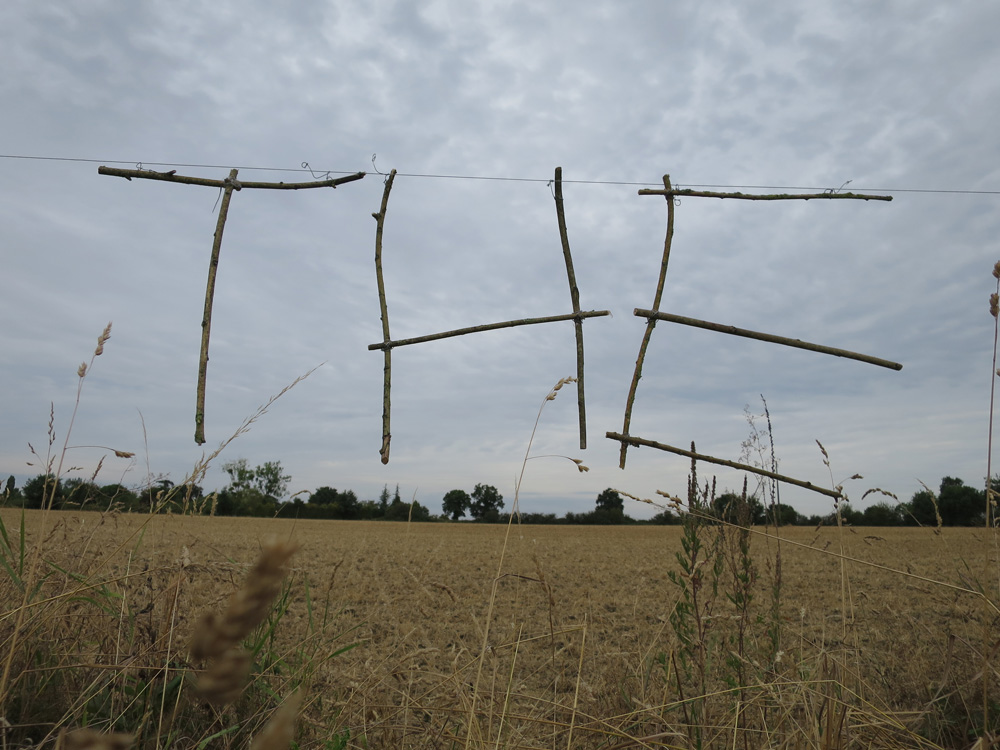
261	491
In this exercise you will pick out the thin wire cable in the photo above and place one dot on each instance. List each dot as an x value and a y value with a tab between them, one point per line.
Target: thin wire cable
546	180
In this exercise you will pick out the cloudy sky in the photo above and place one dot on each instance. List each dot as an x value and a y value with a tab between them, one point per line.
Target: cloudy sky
899	98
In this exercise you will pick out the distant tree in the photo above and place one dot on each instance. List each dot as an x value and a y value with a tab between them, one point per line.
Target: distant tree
396	498
609	499
456	503
407	512
120	496
41	489
323	496
271	479
740	509
79	492
960	504
786	515
882	514
850	516
922	508
11	495
369	509
347	506
383	499
227	504
253	491
665	518
267	479
956	504
486	503
609	508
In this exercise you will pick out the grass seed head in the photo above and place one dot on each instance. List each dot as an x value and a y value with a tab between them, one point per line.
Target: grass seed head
280	730
994	304
248	607
102	340
225	678
88	739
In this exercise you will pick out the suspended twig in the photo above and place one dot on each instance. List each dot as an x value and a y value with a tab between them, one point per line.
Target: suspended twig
206	321
769	337
574	293
171	176
722	462
387	369
487	327
228	186
772	197
651	322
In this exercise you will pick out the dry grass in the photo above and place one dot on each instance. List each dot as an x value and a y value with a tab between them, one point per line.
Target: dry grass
579	644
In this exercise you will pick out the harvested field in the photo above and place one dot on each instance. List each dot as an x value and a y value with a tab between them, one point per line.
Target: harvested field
536	636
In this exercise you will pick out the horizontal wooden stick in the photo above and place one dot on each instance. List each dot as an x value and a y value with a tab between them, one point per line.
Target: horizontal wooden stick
488	327
722	462
145	174
773	197
769	337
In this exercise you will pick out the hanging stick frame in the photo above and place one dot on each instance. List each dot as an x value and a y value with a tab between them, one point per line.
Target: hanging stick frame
227	185
652	315
387	344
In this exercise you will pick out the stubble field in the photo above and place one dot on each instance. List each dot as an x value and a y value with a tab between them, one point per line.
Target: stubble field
532	636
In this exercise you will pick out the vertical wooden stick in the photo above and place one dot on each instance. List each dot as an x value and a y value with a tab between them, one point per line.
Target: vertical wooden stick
206	321
574	293
387	351
651	322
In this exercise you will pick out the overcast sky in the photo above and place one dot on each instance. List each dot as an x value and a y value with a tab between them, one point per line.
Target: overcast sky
899	98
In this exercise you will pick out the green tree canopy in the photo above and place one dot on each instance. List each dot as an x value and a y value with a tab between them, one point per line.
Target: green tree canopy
956	504
40	489
268	479
882	514
610	508
456	503
610	500
737	508
960	504
383	499
487	503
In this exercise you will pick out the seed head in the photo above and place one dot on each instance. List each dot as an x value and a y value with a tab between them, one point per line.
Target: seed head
81	370
994	305
996	270
102	340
